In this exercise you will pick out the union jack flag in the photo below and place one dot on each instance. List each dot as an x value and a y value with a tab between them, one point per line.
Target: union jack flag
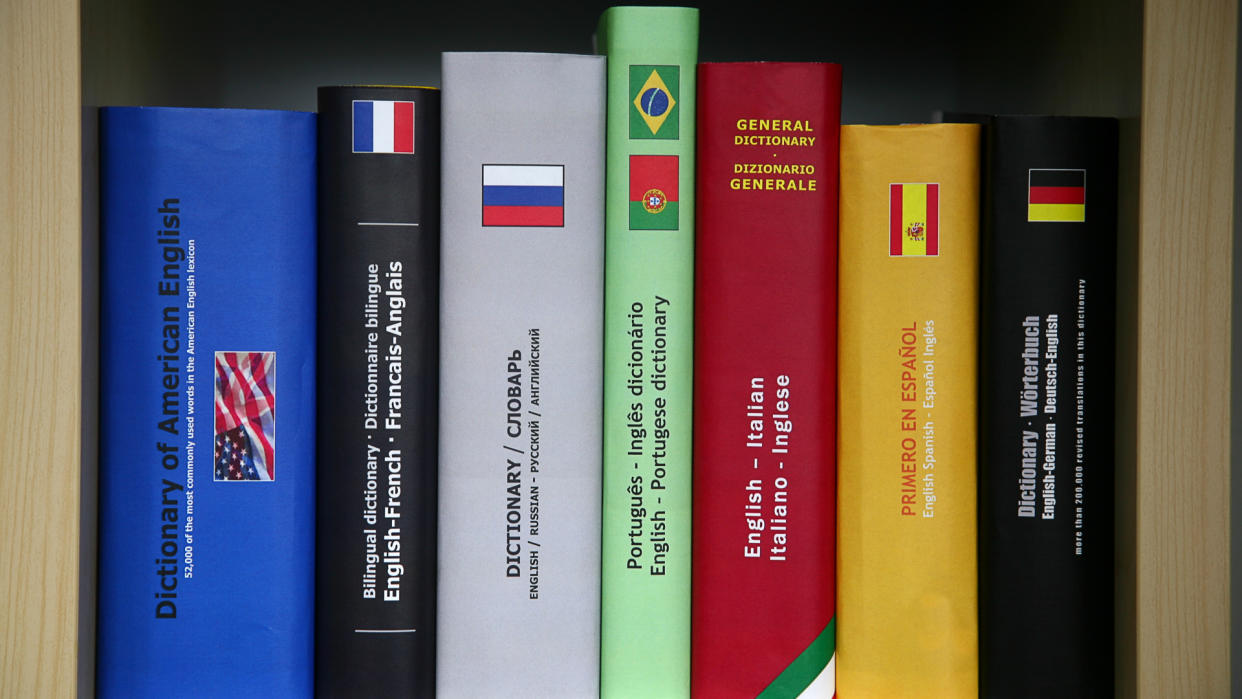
245	446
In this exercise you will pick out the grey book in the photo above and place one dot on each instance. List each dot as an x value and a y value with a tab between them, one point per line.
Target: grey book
521	375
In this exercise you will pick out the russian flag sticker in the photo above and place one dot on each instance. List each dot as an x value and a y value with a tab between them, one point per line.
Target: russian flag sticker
383	126
524	195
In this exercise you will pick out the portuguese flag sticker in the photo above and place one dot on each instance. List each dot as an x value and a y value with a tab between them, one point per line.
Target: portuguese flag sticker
653	192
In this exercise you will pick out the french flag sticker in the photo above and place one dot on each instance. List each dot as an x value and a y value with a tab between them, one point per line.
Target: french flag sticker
524	195
383	126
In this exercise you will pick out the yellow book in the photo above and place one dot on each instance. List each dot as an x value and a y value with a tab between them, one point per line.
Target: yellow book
909	254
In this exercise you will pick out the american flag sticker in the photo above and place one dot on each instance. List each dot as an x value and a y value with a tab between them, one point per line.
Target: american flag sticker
383	126
245	398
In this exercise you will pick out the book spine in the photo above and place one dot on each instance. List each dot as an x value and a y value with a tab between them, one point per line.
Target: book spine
765	362
521	375
909	295
206	484
1046	407
379	305
648	350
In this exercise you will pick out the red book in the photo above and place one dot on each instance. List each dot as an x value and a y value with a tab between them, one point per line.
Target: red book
765	380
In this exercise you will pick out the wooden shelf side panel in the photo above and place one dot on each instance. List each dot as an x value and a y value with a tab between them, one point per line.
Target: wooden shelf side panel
40	346
1185	244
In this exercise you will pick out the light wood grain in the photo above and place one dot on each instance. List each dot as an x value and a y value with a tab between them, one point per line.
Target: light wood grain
1185	232
40	346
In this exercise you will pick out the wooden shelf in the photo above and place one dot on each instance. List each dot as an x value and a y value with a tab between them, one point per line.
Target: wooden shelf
1181	516
40	348
1167	67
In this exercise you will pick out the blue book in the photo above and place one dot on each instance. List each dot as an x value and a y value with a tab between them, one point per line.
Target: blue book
206	542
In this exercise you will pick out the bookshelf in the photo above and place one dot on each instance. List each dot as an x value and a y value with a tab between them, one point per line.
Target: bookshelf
1167	67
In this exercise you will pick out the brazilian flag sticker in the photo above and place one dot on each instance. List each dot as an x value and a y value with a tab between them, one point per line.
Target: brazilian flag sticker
654	91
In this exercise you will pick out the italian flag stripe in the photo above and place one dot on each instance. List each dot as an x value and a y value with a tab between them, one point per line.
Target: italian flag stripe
806	668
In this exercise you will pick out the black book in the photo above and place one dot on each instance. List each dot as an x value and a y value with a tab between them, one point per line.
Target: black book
1046	406
379	264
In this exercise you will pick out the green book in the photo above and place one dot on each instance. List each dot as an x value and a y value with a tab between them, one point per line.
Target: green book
648	350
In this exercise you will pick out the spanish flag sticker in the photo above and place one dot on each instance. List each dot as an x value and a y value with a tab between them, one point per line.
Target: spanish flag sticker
914	219
1056	196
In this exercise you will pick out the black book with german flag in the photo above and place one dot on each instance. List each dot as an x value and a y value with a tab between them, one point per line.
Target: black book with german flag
1046	455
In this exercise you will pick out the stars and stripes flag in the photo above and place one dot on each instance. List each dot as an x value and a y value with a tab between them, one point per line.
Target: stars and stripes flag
245	398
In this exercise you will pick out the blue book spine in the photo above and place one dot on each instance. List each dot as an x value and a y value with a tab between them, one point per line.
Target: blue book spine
206	541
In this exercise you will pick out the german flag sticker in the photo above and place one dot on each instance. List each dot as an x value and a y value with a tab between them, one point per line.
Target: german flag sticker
1056	196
